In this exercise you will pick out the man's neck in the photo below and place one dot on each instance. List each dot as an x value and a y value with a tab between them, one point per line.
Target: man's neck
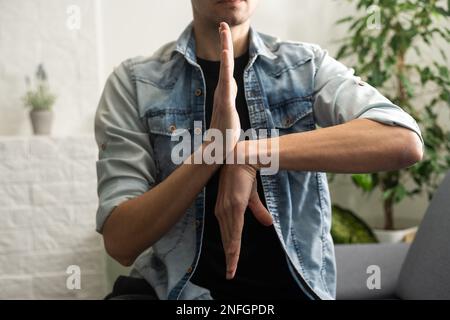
207	39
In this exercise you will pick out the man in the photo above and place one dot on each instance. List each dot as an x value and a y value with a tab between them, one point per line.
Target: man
202	231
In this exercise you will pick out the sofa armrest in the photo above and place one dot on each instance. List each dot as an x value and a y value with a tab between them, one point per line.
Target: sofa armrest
352	263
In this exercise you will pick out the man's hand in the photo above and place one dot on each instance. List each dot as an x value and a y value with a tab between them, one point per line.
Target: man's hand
237	186
237	191
224	114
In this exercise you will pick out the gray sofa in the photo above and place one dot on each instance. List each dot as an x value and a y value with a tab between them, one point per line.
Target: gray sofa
419	271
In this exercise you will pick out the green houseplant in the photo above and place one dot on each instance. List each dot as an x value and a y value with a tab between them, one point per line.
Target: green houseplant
40	100
348	228
396	46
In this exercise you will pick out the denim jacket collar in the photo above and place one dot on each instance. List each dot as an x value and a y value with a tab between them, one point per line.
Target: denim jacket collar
186	45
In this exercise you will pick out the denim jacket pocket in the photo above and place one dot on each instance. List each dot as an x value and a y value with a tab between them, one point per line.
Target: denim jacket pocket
168	122
294	115
167	128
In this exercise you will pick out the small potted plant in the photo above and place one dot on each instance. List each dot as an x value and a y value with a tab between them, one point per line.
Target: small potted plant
401	55
40	100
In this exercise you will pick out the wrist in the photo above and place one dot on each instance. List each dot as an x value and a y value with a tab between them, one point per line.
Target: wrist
201	157
245	153
260	154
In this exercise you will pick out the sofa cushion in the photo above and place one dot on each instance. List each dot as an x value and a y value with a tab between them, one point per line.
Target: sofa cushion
353	262
426	270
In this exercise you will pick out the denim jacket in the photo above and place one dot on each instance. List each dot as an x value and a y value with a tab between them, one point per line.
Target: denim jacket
289	86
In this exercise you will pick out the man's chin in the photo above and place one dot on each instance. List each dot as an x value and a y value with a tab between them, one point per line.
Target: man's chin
232	19
233	13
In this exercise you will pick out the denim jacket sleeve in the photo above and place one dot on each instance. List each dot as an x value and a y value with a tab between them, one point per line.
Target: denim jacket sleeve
125	168
340	96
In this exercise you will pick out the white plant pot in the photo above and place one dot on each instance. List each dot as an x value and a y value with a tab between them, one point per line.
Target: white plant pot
41	121
394	236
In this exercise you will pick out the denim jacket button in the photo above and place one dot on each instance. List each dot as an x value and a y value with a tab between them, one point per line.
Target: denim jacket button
172	128
198	92
198	131
189	270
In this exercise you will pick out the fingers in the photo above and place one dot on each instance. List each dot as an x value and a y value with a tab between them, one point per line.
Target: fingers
233	245
233	250
225	37
231	231
225	236
231	225
259	211
226	57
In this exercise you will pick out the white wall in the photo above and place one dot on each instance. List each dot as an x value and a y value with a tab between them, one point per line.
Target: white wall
48	185
33	32
47	218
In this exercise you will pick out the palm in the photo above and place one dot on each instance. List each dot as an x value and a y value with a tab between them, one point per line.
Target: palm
225	116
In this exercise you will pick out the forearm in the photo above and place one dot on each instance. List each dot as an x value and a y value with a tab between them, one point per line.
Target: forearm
359	146
138	223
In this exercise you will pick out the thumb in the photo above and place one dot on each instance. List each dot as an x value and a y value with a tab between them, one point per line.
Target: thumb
259	211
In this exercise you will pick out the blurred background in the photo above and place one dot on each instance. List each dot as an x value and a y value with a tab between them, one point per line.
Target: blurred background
48	182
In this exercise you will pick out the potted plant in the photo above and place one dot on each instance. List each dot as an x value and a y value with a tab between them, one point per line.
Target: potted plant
348	228
395	45
40	100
